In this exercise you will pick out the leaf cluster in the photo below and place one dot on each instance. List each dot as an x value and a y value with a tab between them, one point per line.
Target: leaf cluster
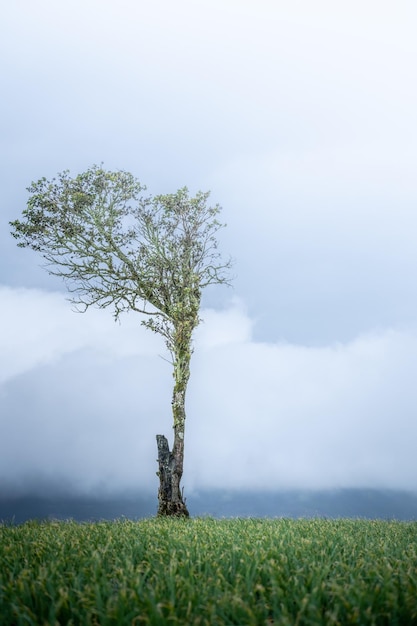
115	246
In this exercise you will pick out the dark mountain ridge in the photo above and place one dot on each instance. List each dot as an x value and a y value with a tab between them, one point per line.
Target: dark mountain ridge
352	503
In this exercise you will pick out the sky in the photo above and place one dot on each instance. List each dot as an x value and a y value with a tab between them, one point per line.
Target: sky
301	118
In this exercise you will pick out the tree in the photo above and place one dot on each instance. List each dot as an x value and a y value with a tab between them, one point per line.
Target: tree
116	248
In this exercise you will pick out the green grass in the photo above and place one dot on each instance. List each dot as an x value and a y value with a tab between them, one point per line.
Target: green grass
206	571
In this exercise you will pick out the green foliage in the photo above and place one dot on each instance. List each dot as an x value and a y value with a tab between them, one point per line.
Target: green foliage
205	571
116	247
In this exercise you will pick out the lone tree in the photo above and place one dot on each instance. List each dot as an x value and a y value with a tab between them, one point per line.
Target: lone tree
116	248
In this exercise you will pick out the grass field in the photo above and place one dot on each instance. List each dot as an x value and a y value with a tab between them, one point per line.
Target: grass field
207	571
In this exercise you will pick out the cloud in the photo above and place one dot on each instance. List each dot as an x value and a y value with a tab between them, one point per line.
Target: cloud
337	416
40	328
82	401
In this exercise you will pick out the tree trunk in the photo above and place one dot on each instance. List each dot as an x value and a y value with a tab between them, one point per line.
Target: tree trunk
170	499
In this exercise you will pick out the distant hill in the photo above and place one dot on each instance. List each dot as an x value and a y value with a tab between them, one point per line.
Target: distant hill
354	503
366	503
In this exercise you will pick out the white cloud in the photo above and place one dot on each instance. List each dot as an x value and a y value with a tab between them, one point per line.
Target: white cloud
307	417
225	327
79	405
39	327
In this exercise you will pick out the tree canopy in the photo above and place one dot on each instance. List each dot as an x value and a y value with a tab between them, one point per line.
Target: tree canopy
116	247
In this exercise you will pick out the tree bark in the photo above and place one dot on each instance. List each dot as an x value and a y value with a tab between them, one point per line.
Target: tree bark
171	463
170	498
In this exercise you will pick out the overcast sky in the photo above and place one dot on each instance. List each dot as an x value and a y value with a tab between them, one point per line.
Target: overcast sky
301	118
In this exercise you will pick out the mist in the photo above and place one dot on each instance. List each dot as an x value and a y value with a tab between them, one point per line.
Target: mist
82	401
